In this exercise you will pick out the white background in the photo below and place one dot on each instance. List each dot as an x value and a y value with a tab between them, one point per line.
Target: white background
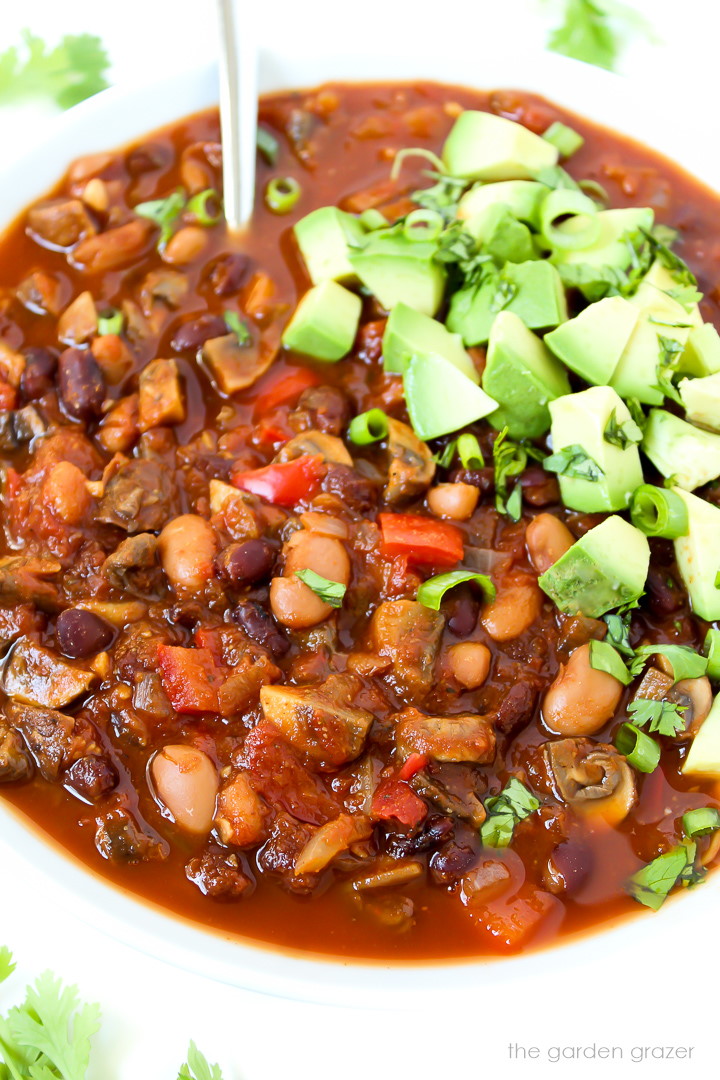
664	994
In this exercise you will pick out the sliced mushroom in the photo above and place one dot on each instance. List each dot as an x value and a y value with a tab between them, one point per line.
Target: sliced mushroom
136	553
34	675
234	366
331	448
79	320
330	840
22	580
411	467
60	224
166	287
696	696
161	398
592	778
15	761
444	738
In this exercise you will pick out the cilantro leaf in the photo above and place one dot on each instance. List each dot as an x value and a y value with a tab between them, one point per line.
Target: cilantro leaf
573	461
624	434
686	662
618	634
53	1023
514	803
509	459
665	717
443	196
594	282
651	884
604	657
197	1067
237	327
7	965
72	71
331	592
585	35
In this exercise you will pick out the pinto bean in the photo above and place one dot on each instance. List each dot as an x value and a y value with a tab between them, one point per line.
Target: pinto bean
187	550
186	245
294	604
185	781
456	501
64	491
113	248
469	663
581	700
547	538
82	387
514	609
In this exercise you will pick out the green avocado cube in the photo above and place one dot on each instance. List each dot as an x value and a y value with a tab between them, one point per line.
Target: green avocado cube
482	146
636	374
660	279
398	270
698	555
503	236
522	376
605	568
678	449
325	238
521	197
536	294
580	420
703	757
324	323
610	248
592	343
440	398
408	333
701	398
702	351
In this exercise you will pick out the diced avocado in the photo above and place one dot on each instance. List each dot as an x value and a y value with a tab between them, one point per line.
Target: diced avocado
408	333
702	351
592	343
522	376
659	277
698	555
325	238
324	323
502	235
537	297
701	398
482	146
678	449
605	568
580	420
399	270
636	374
440	398
522	198
703	757
610	247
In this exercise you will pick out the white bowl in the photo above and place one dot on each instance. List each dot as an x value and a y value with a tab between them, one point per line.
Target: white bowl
122	114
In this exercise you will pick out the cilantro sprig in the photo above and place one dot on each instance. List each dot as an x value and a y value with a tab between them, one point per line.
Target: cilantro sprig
66	74
595	31
622	433
573	462
651	884
510	458
664	717
514	803
197	1067
331	592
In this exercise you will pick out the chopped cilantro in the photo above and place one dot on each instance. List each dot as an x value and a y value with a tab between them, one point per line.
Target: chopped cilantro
573	461
618	634
627	433
650	885
665	717
514	803
593	30
197	1067
670	351
444	457
237	327
7	965
510	459
70	72
443	196
604	657
163	213
331	592
686	662
594	282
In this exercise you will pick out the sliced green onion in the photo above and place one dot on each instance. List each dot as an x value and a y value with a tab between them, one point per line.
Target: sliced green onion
711	648
560	204
595	191
410	151
701	822
423	225
563	138
432	591
469	451
658	512
281	194
110	321
164	213
206	207
267	145
605	657
237	327
372	220
445	456
642	752
368	427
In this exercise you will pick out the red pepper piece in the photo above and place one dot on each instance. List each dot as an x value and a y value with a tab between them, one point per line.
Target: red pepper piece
414	763
284	483
285	390
422	540
190	678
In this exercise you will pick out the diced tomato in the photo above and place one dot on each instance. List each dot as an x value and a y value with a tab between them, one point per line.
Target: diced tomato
423	540
8	397
280	777
393	798
285	390
508	922
13	484
190	678
413	764
284	483
270	432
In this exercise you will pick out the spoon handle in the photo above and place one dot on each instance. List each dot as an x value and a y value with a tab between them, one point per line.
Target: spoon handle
238	111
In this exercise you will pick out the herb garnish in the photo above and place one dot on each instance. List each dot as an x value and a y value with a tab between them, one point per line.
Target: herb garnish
331	592
574	462
163	213
686	663
72	71
665	717
592	30
510	459
618	634
514	803
627	433
197	1067
237	327
650	885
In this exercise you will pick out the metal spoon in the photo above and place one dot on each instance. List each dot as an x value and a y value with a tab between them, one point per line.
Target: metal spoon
238	111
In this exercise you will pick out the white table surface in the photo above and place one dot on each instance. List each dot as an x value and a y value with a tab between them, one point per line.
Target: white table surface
651	997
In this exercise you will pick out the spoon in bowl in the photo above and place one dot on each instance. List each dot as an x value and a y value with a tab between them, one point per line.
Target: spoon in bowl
238	112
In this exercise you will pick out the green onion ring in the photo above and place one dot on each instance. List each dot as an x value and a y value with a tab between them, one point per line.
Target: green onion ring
368	427
410	151
281	194
200	206
469	451
372	220
701	822
561	203
658	512
432	591
423	225
110	321
642	752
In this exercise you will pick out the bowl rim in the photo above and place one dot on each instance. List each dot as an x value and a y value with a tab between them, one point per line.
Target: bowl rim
123	114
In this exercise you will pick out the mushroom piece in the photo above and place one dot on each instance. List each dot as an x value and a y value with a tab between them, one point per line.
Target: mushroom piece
696	697
235	366
316	443
592	778
411	468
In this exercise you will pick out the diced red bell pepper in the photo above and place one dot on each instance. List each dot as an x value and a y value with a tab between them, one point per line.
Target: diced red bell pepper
393	798
190	678
284	483
285	390
414	763
424	541
270	432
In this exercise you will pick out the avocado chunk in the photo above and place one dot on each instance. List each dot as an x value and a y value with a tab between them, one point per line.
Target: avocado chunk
580	420
702	351
592	343
536	295
605	568
324	323
440	398
501	235
398	270
703	757
482	146
325	238
701	398
659	278
610	248
409	333
698	555
661	317
678	449
521	197
522	376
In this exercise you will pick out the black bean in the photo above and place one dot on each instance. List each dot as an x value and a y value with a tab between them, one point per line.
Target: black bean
568	867
450	863
462	612
81	633
38	378
92	777
516	708
663	595
227	273
433	831
192	335
356	491
145	159
261	627
242	564
82	387
483	479
324	408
